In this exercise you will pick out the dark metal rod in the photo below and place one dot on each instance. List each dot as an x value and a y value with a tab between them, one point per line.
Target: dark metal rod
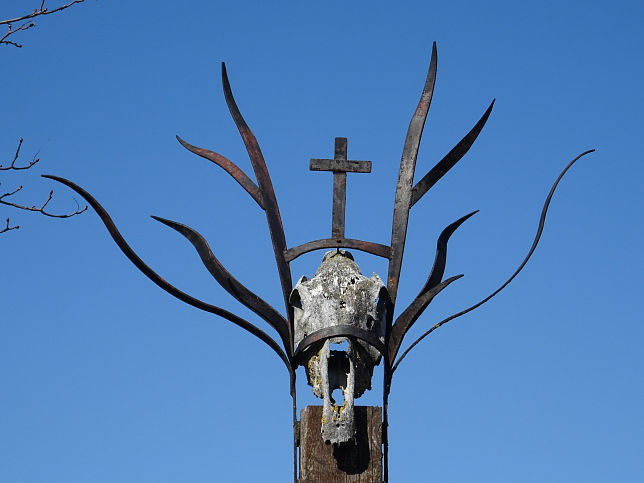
339	204
385	422
411	315
294	420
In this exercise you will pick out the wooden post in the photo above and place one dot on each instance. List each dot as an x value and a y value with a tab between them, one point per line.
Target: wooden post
350	463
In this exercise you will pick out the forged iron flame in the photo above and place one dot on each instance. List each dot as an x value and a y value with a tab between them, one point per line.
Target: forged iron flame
339	296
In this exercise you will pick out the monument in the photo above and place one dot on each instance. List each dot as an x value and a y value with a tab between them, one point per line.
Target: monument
339	324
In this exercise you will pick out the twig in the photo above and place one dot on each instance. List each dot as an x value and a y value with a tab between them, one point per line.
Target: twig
39	11
7	228
15	158
42	10
41	208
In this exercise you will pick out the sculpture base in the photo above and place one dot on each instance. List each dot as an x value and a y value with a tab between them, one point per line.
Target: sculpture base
355	462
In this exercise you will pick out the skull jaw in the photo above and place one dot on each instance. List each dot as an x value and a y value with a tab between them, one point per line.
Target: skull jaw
348	371
337	421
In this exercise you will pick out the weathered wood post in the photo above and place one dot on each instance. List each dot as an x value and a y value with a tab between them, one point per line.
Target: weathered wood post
359	461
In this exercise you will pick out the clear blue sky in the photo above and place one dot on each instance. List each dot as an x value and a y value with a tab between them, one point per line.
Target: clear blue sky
105	378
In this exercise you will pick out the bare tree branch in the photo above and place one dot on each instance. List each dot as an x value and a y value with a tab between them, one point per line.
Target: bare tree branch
39	209
40	11
26	21
15	158
15	25
7	228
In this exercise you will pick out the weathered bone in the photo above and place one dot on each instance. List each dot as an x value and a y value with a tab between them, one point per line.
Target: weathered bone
339	295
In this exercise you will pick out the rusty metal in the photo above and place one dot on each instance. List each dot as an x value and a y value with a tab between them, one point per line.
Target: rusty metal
340	166
319	336
407	194
268	194
450	159
411	314
402	202
369	247
229	283
407	318
230	167
438	268
542	221
152	275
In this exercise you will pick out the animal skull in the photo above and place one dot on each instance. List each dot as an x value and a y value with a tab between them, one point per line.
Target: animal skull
339	295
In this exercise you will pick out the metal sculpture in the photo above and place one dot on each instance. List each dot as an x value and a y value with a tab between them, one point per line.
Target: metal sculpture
303	337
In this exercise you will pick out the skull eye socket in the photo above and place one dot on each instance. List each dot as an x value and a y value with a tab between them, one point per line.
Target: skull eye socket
370	322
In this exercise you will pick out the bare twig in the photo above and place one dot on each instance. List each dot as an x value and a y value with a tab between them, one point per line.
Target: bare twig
39	209
15	25
39	11
11	31
26	21
7	228
15	158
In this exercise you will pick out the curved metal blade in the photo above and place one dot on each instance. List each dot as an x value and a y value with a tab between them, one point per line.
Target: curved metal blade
417	307
542	221
438	268
411	314
229	283
369	247
268	194
171	289
228	166
406	178
448	162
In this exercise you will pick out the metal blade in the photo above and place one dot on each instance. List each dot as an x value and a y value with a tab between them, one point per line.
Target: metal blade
453	157
402	202
268	195
229	283
171	289
228	166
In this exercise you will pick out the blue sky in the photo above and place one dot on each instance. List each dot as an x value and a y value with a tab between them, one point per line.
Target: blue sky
107	378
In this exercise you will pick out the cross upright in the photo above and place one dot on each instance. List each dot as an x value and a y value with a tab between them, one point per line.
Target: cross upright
340	167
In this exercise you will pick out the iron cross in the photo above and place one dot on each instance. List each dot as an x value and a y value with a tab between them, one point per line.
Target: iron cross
340	167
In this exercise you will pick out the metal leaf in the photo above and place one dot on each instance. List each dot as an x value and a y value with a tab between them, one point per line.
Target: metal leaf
406	178
228	166
438	268
405	320
229	283
171	289
448	162
542	221
268	194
